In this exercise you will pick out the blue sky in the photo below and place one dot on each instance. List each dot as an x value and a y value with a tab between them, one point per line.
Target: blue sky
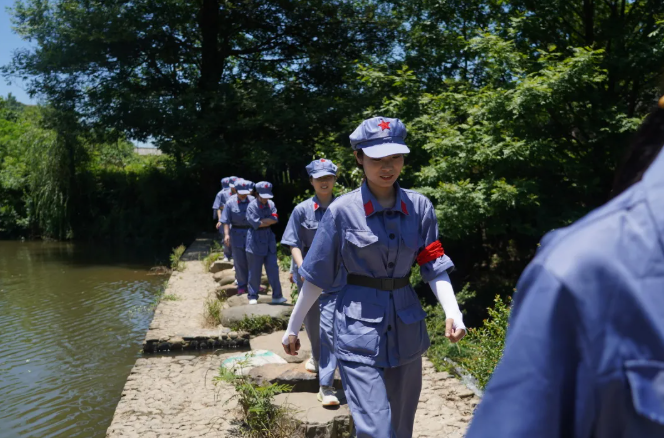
9	42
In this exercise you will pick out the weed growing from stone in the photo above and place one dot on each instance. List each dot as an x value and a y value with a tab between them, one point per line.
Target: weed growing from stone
216	247
212	308
259	324
261	417
170	297
210	259
176	255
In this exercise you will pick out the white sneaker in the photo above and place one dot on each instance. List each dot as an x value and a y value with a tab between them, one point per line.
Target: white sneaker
225	259
311	365
328	396
279	300
253	301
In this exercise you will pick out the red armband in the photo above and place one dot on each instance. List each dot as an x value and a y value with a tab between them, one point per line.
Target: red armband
275	215
431	252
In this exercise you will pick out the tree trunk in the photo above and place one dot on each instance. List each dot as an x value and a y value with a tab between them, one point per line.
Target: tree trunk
589	21
211	62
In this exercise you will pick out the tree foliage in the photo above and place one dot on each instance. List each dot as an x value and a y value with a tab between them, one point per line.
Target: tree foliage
517	110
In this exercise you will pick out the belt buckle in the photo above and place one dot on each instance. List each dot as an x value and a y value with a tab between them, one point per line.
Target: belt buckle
387	283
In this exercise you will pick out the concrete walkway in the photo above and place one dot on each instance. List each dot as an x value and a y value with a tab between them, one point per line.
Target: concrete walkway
174	394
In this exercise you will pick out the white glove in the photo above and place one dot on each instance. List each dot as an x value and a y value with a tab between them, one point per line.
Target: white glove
307	297
443	290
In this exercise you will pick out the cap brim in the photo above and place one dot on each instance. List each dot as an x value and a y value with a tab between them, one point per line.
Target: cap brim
265	196
321	174
243	192
385	150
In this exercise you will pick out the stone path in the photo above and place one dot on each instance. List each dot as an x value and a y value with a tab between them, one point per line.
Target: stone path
174	394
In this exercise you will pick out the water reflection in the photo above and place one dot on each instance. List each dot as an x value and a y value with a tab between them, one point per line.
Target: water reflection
70	334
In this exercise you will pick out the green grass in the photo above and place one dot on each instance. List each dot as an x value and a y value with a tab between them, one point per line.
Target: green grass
212	310
260	417
210	259
259	324
170	297
176	256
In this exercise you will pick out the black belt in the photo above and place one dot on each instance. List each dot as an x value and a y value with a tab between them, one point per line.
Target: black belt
241	227
378	283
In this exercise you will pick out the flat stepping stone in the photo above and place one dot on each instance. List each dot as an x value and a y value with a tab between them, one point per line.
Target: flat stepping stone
293	374
315	420
220	265
226	291
224	277
233	315
243	300
272	342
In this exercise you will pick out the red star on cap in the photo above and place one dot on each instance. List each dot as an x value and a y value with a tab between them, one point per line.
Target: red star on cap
384	125
322	160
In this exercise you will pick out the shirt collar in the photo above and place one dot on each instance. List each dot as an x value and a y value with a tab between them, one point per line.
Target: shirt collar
402	203
653	181
316	203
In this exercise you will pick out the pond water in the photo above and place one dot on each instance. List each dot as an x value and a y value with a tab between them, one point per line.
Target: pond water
72	320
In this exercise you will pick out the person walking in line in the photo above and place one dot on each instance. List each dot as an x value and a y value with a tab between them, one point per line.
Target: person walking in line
376	233
261	244
584	353
234	218
299	235
219	202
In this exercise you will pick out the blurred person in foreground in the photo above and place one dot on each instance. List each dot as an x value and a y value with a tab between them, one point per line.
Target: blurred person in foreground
584	354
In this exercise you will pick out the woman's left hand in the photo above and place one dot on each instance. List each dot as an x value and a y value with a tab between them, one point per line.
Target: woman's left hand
453	335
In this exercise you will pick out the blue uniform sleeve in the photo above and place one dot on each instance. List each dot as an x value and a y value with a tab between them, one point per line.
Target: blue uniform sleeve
226	214
431	269
253	216
217	201
273	211
291	237
322	263
532	392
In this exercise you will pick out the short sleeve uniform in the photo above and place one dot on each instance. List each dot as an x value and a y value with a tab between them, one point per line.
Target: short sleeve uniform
376	327
260	241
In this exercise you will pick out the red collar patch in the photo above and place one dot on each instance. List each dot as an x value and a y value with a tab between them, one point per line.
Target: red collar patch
316	206
384	125
368	208
404	209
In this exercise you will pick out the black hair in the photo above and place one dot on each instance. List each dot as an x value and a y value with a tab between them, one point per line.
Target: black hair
642	151
360	154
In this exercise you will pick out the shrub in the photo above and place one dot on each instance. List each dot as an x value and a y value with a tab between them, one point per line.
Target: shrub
480	351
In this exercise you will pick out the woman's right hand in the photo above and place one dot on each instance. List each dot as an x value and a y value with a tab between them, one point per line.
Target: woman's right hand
291	345
227	240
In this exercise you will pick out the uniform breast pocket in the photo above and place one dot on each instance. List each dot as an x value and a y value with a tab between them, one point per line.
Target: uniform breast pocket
646	382
360	325
308	229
